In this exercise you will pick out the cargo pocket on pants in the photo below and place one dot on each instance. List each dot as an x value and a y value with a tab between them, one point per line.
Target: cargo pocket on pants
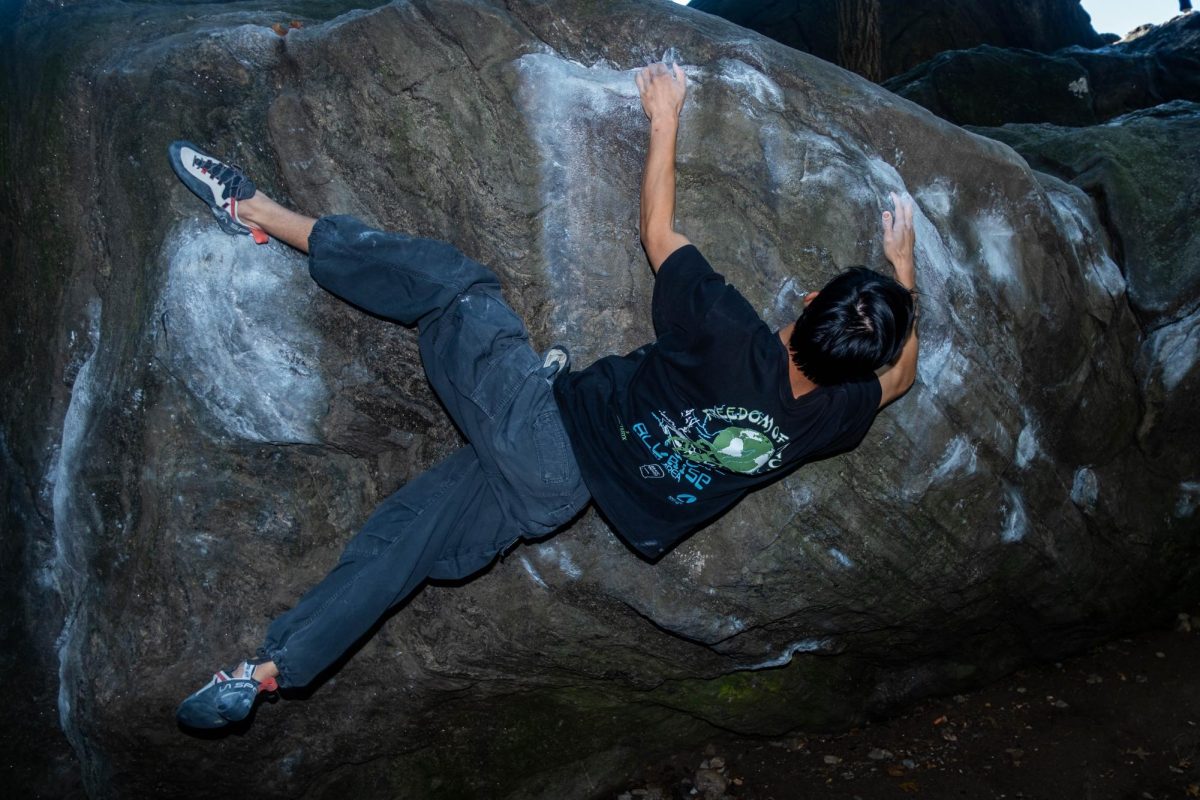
551	447
502	378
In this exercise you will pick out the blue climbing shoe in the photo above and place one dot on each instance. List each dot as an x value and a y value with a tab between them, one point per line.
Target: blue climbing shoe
222	186
224	699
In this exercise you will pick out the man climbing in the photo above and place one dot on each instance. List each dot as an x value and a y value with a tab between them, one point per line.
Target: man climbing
664	439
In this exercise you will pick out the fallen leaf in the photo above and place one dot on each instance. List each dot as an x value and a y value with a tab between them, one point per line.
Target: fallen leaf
909	786
940	720
1193	790
279	29
295	24
896	771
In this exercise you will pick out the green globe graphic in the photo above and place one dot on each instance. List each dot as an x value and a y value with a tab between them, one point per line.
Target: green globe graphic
741	449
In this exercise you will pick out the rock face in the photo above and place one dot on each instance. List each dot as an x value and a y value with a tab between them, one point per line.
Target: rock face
994	86
907	33
192	429
1134	168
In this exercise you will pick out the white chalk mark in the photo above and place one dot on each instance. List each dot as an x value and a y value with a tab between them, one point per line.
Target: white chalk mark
569	567
997	249
959	456
785	658
749	84
1074	211
533	573
1016	524
1174	350
841	557
71	526
237	337
1027	446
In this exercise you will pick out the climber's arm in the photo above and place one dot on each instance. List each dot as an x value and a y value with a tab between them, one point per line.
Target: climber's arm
898	241
662	91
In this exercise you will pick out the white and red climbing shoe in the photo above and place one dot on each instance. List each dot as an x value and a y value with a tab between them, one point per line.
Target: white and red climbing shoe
220	185
224	699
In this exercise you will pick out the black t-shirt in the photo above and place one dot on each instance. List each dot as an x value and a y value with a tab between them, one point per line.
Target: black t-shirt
671	435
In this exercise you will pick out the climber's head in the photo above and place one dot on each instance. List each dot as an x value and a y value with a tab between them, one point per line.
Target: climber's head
852	327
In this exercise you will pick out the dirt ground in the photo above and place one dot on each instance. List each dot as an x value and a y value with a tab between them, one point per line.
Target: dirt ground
1121	722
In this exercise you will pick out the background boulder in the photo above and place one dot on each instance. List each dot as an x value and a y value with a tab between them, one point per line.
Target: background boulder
192	429
1140	170
905	33
993	86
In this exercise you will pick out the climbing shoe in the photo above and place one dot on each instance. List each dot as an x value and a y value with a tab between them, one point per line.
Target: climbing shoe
220	185
224	699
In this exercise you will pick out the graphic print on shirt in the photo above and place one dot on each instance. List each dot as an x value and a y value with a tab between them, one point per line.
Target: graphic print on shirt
694	451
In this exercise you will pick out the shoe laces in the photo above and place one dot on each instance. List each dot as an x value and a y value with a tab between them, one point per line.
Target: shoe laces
229	176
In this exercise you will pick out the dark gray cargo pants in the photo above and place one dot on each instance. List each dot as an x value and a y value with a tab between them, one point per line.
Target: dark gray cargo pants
516	478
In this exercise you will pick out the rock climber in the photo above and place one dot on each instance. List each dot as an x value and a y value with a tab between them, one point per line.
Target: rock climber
663	440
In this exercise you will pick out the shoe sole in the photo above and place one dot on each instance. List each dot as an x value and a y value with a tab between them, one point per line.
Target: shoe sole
218	704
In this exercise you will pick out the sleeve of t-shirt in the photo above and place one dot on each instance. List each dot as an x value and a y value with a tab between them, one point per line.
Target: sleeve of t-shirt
861	403
689	296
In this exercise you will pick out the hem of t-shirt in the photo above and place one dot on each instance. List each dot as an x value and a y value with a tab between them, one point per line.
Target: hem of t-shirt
589	467
601	499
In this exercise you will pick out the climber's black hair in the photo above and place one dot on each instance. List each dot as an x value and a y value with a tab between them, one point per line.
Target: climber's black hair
854	326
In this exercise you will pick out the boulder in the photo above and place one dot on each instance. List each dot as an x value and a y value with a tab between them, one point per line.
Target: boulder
994	86
903	33
192	429
1133	168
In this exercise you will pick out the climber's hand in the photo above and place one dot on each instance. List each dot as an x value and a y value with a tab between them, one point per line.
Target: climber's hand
662	89
899	238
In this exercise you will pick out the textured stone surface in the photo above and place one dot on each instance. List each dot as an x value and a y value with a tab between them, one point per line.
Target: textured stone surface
1141	171
191	430
995	86
911	31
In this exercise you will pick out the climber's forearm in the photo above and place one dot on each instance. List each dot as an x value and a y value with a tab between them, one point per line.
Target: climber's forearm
658	192
662	91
